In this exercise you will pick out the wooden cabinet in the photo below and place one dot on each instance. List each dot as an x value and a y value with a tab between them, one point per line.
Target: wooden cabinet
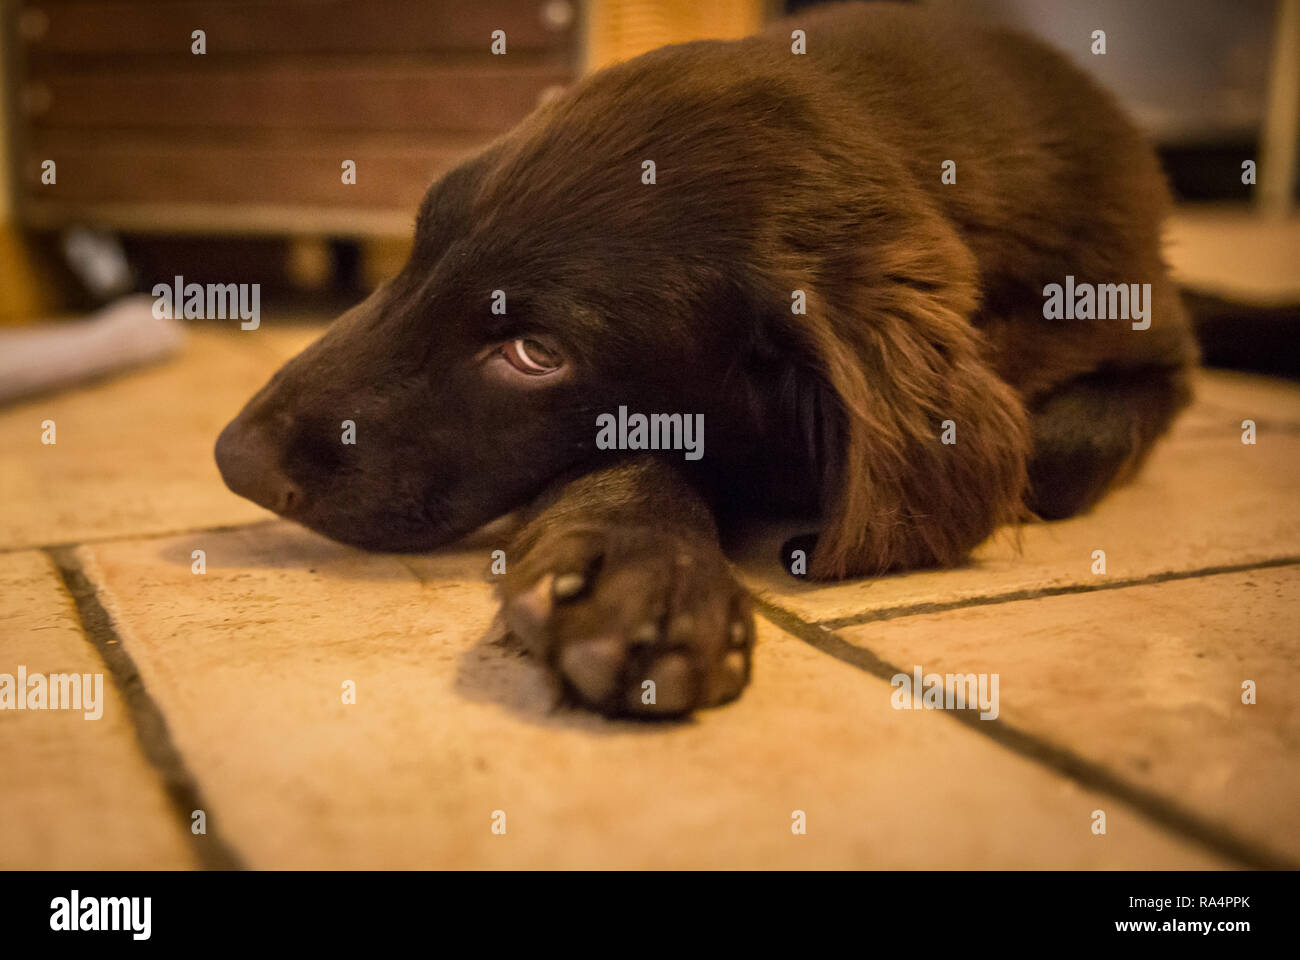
252	135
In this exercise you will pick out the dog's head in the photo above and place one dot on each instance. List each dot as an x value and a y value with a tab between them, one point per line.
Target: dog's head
682	234
548	283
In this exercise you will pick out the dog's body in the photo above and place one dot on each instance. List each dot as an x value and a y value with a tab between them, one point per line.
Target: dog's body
765	238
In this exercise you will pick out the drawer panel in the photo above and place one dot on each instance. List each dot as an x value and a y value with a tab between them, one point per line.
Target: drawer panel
203	169
416	99
152	27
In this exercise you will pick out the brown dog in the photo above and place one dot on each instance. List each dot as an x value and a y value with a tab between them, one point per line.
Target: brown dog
910	280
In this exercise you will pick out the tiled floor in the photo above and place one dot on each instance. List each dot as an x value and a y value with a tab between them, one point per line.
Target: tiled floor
1119	692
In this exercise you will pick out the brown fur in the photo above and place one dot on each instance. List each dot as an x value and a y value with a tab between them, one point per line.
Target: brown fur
775	173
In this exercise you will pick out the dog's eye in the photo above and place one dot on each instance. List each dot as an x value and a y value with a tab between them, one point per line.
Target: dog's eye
530	357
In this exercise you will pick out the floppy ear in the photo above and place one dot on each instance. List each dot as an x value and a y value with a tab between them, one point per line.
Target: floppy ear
892	341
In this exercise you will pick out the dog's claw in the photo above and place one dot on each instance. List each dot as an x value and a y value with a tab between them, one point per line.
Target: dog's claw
568	585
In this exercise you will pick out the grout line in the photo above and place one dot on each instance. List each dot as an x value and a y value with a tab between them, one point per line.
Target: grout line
1155	807
148	535
1035	593
211	850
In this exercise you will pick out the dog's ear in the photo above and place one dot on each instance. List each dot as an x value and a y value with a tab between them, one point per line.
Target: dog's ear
932	445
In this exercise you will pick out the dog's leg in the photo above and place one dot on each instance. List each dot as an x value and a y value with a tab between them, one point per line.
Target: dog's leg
618	583
1094	432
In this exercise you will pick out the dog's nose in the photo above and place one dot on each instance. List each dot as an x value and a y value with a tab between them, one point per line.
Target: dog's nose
249	465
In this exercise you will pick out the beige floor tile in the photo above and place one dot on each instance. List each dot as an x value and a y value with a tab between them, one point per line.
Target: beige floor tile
452	724
1147	681
1205	500
1224	399
133	454
74	792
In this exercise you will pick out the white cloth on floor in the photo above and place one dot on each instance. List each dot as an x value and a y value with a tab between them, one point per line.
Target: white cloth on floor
123	334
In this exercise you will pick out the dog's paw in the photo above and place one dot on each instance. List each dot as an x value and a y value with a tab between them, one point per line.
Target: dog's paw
633	619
